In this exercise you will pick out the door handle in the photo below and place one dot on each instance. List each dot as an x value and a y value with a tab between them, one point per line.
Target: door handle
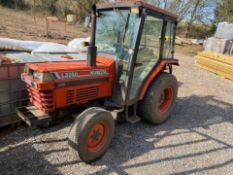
138	64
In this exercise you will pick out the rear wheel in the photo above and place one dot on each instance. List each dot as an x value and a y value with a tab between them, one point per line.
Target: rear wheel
91	134
159	99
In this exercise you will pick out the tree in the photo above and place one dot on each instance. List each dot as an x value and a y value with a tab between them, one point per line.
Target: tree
189	11
224	11
192	15
180	7
83	8
18	4
159	3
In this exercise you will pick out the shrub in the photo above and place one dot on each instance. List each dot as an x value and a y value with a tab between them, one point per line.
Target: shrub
197	30
17	4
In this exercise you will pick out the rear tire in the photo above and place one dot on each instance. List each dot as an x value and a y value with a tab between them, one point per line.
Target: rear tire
159	99
91	134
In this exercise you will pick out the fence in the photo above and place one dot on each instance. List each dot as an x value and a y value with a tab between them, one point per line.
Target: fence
13	93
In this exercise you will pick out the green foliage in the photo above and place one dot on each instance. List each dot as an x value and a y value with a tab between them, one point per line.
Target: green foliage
82	8
17	4
213	28
224	11
53	7
197	30
7	3
48	6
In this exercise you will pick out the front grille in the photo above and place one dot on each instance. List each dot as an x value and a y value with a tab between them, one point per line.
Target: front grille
70	97
81	95
42	100
87	94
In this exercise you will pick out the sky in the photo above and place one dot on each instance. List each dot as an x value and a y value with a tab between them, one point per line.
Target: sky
209	12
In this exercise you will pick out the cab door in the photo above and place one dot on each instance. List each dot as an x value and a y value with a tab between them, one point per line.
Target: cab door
156	43
125	58
148	53
144	51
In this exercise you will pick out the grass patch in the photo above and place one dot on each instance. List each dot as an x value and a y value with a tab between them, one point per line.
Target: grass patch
193	53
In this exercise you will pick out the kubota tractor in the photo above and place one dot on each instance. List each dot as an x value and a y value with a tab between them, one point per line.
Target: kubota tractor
126	74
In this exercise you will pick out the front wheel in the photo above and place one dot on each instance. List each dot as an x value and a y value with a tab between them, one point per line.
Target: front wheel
159	99
91	134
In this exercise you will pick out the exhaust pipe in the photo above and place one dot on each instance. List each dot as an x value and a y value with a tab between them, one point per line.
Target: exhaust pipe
92	49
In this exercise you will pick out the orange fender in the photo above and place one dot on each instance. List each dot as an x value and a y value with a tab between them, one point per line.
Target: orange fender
162	65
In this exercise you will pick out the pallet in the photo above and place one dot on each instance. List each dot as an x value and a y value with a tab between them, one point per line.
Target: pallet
33	116
227	59
219	64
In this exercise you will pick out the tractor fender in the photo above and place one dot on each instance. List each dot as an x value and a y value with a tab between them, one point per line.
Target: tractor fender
159	68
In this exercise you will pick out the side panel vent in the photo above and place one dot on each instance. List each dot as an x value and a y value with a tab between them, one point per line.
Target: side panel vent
70	96
87	94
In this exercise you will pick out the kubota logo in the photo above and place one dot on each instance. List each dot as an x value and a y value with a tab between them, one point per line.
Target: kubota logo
69	75
99	72
66	75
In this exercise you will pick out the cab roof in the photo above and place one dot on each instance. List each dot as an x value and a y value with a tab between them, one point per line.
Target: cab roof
135	3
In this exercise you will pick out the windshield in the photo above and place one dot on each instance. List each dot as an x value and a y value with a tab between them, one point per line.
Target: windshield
116	32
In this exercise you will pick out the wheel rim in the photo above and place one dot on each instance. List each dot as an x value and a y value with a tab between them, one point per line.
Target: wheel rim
165	100
97	137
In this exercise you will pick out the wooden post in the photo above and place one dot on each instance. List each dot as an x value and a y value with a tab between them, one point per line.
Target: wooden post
65	26
47	26
33	11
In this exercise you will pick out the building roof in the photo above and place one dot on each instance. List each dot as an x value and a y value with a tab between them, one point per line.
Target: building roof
135	3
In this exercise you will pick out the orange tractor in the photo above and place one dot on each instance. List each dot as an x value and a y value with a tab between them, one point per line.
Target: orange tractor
125	74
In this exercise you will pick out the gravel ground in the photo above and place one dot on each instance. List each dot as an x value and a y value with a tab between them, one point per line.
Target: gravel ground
197	139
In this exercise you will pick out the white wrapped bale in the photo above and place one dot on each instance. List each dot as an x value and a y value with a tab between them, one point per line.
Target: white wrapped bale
223	46
19	45
53	48
79	44
224	31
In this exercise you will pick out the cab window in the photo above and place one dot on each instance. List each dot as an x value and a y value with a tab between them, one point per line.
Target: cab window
148	53
168	44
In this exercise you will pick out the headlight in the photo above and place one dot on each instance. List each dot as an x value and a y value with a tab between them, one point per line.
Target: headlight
43	77
37	76
47	77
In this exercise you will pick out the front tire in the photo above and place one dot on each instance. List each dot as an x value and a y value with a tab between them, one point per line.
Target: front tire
159	99
91	134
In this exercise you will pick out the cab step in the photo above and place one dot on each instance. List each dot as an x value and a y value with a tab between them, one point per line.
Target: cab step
134	118
33	116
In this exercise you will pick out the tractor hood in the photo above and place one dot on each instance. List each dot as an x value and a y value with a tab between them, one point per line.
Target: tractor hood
38	74
102	62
